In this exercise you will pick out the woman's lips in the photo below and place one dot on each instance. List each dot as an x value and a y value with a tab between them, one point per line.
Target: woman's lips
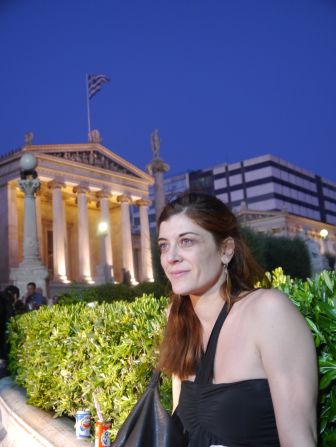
177	273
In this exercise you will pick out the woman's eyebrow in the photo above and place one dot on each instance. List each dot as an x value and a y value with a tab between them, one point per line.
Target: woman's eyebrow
180	235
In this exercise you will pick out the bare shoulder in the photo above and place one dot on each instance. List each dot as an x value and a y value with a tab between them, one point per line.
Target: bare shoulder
274	314
270	301
270	308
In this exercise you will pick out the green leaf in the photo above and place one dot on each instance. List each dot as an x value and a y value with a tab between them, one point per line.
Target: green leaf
327	378
327	280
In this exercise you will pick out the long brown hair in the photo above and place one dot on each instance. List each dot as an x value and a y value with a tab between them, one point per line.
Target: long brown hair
181	348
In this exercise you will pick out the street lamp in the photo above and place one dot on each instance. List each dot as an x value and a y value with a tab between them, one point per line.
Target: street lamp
324	250
324	233
102	228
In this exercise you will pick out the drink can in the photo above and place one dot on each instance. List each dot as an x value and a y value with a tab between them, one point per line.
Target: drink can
83	423
102	435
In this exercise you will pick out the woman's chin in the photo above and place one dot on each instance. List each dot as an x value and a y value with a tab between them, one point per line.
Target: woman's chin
182	291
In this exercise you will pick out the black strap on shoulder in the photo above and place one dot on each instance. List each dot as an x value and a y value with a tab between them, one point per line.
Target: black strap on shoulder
204	373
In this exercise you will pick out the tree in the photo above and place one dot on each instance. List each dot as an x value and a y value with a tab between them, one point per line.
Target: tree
278	251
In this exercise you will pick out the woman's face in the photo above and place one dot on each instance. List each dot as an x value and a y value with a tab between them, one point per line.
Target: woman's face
189	256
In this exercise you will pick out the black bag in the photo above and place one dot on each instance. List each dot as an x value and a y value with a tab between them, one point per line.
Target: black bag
149	424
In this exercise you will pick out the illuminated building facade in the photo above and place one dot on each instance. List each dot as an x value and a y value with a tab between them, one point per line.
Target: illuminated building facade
81	186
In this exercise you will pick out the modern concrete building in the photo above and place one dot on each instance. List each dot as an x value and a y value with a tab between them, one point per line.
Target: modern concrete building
268	183
81	186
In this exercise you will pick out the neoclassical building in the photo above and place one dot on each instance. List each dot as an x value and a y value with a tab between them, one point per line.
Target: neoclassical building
82	185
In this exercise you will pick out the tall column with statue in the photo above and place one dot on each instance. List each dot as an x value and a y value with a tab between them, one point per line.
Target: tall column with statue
31	267
157	168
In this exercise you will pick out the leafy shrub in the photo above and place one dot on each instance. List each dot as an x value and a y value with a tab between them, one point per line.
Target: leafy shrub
316	300
110	292
61	355
150	288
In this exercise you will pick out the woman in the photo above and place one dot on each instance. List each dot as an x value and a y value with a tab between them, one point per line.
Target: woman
254	381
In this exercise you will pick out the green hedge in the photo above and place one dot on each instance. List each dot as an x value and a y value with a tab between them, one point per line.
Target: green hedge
62	354
111	292
316	299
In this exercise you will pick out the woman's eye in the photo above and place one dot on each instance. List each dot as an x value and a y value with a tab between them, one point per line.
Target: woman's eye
185	242
163	247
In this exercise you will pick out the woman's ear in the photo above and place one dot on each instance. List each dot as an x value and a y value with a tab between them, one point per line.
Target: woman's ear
227	250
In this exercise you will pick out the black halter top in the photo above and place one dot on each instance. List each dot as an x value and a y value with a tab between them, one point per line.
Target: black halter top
233	414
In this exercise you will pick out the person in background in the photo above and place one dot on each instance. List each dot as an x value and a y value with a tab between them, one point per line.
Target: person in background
242	358
126	277
13	293
34	298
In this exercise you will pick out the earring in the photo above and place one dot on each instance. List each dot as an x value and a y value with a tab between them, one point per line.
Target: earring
227	280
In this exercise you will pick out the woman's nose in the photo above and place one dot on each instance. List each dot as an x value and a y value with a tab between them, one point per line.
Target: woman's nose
174	254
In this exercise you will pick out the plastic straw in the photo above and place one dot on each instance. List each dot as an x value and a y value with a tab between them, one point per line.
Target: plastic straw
96	404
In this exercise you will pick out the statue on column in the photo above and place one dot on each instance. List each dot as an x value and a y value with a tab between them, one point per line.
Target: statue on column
28	138
155	143
157	168
94	136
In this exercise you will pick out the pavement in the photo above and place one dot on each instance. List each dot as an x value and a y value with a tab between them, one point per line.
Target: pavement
22	425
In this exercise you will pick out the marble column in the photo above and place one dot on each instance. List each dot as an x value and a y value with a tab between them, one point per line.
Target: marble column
39	225
105	268
83	235
126	237
146	267
31	267
59	236
30	240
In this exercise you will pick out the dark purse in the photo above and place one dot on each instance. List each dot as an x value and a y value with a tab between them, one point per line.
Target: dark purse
149	424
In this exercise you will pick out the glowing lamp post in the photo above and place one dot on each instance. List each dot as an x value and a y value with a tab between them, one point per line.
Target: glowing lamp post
324	233
324	252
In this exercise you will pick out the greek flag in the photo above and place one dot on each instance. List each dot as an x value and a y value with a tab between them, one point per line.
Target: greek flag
95	83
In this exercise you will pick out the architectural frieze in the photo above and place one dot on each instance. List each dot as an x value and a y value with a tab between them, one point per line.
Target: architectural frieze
92	158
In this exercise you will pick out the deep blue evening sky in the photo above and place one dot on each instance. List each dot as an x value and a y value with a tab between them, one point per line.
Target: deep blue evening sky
222	80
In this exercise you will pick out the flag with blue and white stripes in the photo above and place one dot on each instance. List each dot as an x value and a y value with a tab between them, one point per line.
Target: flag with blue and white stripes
95	83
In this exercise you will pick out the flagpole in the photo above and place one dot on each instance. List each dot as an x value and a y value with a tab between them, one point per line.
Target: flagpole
88	105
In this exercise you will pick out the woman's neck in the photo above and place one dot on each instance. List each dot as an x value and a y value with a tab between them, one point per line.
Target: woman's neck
208	306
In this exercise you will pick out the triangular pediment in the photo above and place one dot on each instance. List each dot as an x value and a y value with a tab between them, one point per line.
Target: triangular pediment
90	154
